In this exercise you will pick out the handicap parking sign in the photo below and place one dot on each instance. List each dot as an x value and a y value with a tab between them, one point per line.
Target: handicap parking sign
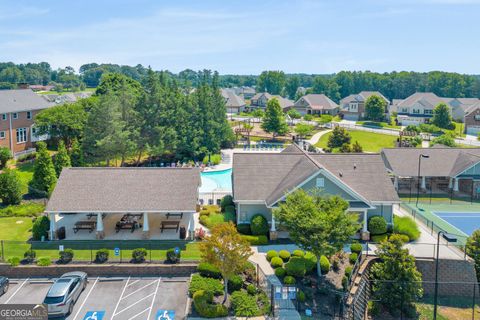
116	251
165	315
176	250
94	315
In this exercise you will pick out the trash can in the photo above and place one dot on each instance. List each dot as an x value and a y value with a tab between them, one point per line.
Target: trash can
61	233
183	233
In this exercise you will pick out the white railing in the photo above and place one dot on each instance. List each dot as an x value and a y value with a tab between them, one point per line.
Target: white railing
212	197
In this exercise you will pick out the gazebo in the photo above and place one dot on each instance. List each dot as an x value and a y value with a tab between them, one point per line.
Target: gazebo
116	202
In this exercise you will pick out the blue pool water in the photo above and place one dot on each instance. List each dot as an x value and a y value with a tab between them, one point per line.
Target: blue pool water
467	222
216	181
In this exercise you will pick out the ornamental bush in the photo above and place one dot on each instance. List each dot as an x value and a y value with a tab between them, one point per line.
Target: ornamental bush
289	280
379	238
353	258
226	201
295	267
14	261
348	271
324	264
276	262
298	253
40	228
377	225
284	254
280	272
301	296
66	256
251	289
208	270
271	254
235	283
172	256
30	255
244	228
406	226
198	282
138	255
203	302
44	261
356	248
101	255
259	225
244	304
310	262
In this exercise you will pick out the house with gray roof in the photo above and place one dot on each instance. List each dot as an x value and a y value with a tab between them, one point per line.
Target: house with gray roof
261	181
316	104
233	102
460	106
418	108
472	119
260	100
443	170
352	107
158	201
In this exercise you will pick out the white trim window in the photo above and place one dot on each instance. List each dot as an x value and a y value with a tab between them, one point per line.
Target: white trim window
29	115
4	116
320	183
21	135
2	135
477	117
15	115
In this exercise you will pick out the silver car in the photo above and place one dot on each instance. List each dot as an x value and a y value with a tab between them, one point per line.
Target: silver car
64	292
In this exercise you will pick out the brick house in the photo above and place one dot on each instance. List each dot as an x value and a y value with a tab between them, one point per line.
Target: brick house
17	111
472	119
353	106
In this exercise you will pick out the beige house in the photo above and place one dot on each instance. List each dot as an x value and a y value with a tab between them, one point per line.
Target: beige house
316	104
260	100
352	107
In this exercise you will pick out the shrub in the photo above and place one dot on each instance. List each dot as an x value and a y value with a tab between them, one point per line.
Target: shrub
244	228
353	258
10	188
235	283
276	262
259	225
44	261
348	271
30	255
14	261
207	284
298	253
284	254
310	262
256	240
40	228
204	212
203	302
280	272
301	296
214	159
335	264
251	289
356	248
295	267
208	270
5	155
271	254
377	225
229	214
101	255
172	256
66	256
250	271
289	280
138	255
345	283
244	305
406	226
403	237
379	238
324	265
226	201
308	117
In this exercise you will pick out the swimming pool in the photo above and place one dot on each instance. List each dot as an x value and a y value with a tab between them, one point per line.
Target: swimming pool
466	222
216	181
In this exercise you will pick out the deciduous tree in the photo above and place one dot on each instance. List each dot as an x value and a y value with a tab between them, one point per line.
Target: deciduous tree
375	108
274	120
473	250
442	117
271	82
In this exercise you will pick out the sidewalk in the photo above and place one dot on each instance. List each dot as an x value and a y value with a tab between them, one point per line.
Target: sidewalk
314	139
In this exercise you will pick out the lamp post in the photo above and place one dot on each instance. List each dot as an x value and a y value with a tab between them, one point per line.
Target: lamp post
418	175
449	238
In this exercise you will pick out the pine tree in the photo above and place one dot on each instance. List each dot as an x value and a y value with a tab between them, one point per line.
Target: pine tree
62	159
76	154
10	188
44	176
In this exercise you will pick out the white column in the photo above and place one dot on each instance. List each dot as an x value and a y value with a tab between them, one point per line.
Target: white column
99	222
455	184
191	223
273	228
365	221
52	226
424	184
146	227
450	183
395	183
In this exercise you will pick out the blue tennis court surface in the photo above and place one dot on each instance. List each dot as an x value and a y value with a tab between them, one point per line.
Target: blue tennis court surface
467	222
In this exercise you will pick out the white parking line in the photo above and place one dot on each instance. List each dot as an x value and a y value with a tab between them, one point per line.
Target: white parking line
85	300
133	304
153	300
133	282
16	291
128	295
138	314
118	302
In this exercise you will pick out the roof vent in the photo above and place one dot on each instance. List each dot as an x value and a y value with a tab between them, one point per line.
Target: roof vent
354	166
340	173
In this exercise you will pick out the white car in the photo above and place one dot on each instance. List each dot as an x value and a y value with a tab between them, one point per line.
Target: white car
64	292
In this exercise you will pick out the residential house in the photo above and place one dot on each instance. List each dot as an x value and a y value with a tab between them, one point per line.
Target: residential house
446	171
417	108
472	119
69	97
245	92
460	106
261	181
124	203
234	103
260	100
316	104
17	111
352	107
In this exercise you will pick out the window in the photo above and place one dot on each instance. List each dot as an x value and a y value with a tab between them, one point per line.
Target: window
404	110
210	201
219	201
428	111
15	115
2	134
416	111
4	116
477	117
320	183
29	115
21	135
353	106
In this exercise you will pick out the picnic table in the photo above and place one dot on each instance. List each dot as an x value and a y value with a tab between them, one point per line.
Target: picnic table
91	215
172	225
176	215
84	225
128	221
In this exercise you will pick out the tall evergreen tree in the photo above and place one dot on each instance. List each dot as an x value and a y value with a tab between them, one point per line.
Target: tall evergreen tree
274	119
62	159
44	176
10	188
76	154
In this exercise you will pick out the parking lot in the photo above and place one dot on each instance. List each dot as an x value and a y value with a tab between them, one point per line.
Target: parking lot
112	298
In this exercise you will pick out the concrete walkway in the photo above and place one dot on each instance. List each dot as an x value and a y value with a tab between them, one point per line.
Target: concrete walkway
314	139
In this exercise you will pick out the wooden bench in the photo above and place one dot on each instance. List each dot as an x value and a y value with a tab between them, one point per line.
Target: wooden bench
131	225
91	215
172	225
84	225
176	215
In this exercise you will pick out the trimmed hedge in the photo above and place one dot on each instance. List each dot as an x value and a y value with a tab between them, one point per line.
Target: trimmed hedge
295	267
348	271
298	253
285	255
379	238
244	228
66	256
44	261
353	258
406	226
356	248
226	201
271	254
207	284
208	270
235	283
259	225
256	240
203	302
101	255
324	265
276	262
280	272
289	280
14	261
310	262
173	257
138	255
377	225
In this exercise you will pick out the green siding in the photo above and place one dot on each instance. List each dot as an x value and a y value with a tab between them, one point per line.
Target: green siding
385	211
329	188
473	171
247	211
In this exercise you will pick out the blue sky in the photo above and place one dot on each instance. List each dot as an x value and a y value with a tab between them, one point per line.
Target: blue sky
246	37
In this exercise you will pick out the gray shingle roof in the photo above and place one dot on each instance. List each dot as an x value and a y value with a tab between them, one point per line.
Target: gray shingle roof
268	176
319	101
428	99
442	162
21	100
125	190
231	99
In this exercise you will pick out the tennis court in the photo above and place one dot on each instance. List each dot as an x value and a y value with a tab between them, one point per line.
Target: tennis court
465	222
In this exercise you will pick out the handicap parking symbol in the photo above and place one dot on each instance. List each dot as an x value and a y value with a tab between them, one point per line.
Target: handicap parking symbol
165	315
94	315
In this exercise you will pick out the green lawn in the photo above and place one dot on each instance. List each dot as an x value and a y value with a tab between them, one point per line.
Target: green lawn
370	142
459	129
377	124
25	174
